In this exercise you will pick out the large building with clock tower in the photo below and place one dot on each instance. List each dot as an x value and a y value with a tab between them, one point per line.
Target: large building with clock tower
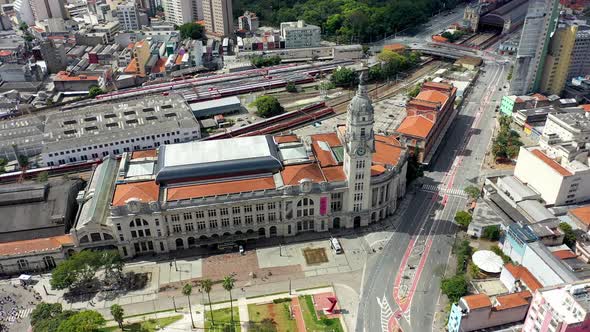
221	193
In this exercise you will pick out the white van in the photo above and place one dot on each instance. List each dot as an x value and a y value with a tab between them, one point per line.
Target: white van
335	245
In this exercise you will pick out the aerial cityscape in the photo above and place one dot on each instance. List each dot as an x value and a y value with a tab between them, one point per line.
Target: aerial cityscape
295	165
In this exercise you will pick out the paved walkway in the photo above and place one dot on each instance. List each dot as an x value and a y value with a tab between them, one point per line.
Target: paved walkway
296	307
243	312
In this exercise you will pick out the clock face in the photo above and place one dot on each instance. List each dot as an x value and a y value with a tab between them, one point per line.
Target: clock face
360	151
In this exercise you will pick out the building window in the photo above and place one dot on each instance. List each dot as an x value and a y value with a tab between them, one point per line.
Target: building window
237	221
248	208
235	210
357	207
200	214
174	218
176	228
358	186
358	197
271	206
188	216
336	202
259	207
272	216
223	211
23	264
360	164
248	220
201	225
224	222
212	213
189	227
359	176
213	224
260	218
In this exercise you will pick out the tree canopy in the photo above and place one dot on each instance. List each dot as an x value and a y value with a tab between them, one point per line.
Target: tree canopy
259	61
83	321
454	287
81	267
491	233
94	91
472	191
391	63
507	142
50	317
268	106
192	30
463	218
570	237
344	77
347	21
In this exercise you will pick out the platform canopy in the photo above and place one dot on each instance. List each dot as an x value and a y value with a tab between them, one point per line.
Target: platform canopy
487	261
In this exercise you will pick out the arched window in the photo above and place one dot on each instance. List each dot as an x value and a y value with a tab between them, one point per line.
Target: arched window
305	207
49	262
107	236
84	239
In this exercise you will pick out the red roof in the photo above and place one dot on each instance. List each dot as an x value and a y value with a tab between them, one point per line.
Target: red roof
146	191
294	173
433	96
513	300
582	214
286	139
416	125
219	188
65	76
386	153
36	245
585	107
539	97
551	163
160	66
144	154
131	67
477	301
321	145
334	173
395	47
521	273
564	254
5	53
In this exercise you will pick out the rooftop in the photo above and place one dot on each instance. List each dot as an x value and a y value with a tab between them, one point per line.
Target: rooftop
47	244
477	301
146	191
219	188
551	163
521	273
416	126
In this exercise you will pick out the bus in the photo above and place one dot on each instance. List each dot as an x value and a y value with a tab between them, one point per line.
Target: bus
335	245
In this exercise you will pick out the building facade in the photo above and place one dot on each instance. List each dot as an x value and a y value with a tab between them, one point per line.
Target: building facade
178	11
218	17
563	307
44	9
300	34
222	193
557	62
539	24
580	58
128	16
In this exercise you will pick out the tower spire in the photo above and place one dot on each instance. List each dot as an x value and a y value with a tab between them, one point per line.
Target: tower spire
362	89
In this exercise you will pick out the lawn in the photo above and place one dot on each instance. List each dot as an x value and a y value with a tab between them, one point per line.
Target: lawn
312	323
222	319
278	313
145	326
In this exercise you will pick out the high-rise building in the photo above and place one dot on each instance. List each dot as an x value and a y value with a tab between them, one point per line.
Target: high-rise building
218	17
557	61
54	54
580	59
44	9
560	308
24	12
197	10
539	24
139	57
128	16
178	11
248	21
299	34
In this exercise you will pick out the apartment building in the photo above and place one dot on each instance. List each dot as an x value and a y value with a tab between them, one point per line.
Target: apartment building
128	16
300	34
44	9
580	58
557	61
563	307
248	22
178	11
218	17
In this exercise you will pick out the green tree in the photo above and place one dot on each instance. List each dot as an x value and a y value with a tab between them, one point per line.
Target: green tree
491	233
472	191
474	271
291	87
496	250
118	314
463	218
42	177
268	106
570	237
187	290
192	30
23	27
463	252
83	321
454	287
376	73
45	311
79	269
94	91
23	161
412	93
259	61
228	285
344	77
207	285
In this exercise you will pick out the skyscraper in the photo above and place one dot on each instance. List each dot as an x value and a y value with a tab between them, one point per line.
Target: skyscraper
128	16
178	11
44	9
218	17
539	25
557	61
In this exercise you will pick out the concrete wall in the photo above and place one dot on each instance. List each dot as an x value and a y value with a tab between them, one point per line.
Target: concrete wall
540	176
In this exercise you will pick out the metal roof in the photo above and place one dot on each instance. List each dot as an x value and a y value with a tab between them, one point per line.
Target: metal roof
256	154
216	103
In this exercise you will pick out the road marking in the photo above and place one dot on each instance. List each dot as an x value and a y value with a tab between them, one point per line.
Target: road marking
441	188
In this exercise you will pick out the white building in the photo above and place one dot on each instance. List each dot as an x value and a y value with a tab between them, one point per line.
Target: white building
299	34
566	128
178	11
564	307
128	16
227	192
218	17
111	129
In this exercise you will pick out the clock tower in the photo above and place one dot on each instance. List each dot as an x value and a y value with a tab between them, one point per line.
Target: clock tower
359	145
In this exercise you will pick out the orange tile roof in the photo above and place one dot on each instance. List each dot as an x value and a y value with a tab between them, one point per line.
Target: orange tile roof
286	139
582	213
523	274
423	103
585	107
539	97
564	254
395	47
178	59
5	53
513	300
65	76
35	245
386	154
331	138
160	66
477	301
219	188
437	85
388	139
130	46
131	67
377	170
294	173
144	154
325	157
433	96
417	126
146	191
334	174
551	163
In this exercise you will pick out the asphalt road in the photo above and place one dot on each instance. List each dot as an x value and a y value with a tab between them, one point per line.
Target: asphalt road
402	283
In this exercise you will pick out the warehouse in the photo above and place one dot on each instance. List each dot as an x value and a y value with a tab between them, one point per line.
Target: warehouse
211	108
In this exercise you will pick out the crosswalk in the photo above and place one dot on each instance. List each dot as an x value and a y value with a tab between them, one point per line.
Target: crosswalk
386	313
442	190
24	313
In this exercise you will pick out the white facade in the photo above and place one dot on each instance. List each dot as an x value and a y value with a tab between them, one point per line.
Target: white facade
299	34
128	16
218	17
178	11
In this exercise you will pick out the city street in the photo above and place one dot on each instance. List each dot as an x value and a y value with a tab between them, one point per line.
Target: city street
402	282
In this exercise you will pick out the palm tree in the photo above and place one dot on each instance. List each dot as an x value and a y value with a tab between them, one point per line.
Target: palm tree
207	284
228	285
187	290
118	313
